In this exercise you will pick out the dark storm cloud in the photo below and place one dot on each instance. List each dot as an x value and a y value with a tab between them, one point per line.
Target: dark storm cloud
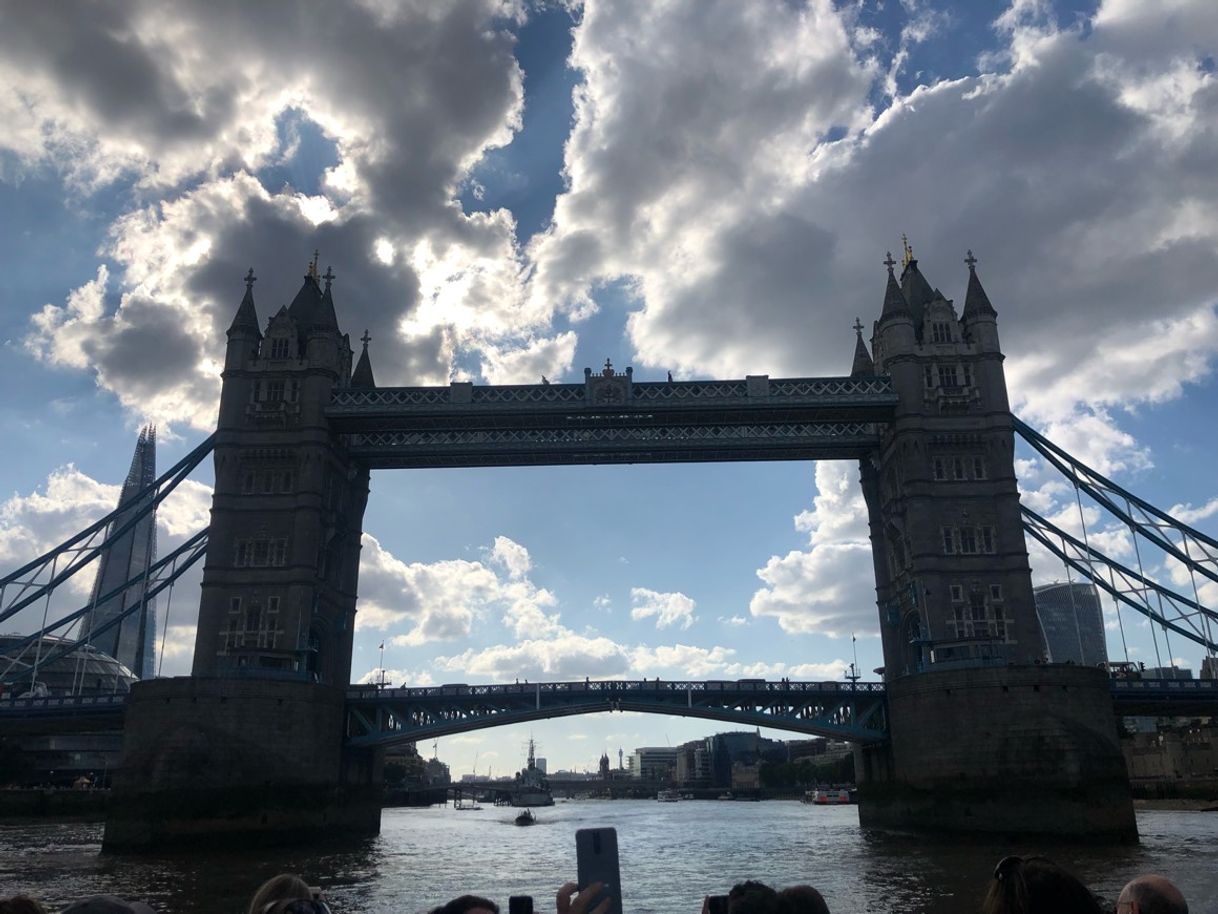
189	97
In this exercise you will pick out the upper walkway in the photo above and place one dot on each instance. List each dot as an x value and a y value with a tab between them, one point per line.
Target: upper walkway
611	419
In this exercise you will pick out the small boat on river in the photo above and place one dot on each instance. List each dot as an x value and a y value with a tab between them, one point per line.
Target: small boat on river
668	796
526	818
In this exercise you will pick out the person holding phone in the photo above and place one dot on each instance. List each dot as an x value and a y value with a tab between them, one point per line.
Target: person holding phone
571	900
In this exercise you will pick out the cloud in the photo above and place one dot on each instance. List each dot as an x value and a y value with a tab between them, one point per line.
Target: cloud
394	678
207	137
442	600
1073	164
668	609
828	588
565	656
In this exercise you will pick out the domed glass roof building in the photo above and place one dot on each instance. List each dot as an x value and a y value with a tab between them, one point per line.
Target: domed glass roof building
84	670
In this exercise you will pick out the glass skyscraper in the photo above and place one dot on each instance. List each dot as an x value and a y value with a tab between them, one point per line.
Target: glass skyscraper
132	642
1072	623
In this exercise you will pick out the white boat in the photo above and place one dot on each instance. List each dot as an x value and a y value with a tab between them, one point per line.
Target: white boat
668	796
531	787
828	796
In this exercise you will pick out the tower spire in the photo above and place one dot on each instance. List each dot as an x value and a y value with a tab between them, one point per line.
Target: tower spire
976	302
863	365
247	316
362	376
894	298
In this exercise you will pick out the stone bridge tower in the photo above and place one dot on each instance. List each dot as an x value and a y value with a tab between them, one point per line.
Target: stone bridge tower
279	583
983	734
251	747
951	566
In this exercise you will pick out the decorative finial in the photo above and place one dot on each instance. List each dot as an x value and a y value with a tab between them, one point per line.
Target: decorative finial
908	251
365	339
329	278
312	274
858	326
250	279
889	262
608	369
971	261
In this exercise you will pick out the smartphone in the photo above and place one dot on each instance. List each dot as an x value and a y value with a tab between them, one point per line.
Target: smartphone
520	904
716	904
596	861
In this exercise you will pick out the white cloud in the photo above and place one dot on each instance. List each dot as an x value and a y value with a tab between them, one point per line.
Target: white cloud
827	589
97	98
668	609
441	601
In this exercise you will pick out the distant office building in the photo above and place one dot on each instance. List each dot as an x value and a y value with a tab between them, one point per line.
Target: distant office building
694	764
540	763
436	772
653	763
131	641
1209	668
1072	623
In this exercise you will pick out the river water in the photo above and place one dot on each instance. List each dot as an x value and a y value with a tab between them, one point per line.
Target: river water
671	854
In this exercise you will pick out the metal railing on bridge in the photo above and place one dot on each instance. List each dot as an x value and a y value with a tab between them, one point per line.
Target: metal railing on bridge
842	710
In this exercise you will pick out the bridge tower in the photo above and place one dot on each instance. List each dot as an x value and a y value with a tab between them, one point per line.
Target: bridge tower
984	734
252	743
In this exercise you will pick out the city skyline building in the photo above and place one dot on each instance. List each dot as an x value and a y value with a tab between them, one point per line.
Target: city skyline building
1071	622
131	641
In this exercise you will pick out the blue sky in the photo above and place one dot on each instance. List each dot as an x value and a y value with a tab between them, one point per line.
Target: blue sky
507	191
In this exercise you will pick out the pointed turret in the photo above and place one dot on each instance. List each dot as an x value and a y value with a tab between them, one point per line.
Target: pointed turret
305	308
326	318
863	365
246	318
918	291
894	298
975	300
362	376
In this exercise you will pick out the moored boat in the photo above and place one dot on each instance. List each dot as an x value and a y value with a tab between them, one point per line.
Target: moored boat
668	796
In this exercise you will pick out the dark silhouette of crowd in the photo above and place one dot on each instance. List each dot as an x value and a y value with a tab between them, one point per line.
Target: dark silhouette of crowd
1020	885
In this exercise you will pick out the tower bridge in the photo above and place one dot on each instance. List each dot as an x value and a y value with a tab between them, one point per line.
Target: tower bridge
267	738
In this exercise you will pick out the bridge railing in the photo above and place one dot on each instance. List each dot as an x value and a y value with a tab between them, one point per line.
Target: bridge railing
611	686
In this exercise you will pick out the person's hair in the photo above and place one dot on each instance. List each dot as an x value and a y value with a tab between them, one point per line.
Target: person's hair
1028	885
466	903
21	904
1156	895
803	899
753	898
285	886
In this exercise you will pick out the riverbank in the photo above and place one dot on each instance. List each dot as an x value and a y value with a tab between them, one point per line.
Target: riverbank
1186	804
53	804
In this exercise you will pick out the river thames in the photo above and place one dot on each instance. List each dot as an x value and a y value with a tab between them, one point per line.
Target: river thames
671	854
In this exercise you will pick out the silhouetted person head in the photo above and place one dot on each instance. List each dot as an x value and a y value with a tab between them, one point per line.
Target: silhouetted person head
753	898
1036	885
107	904
284	887
803	899
468	904
21	904
1151	894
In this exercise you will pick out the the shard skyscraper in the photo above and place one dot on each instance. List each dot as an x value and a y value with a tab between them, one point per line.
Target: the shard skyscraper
132	642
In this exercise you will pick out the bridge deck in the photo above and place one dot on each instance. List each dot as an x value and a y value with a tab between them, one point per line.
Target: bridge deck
614	420
852	711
